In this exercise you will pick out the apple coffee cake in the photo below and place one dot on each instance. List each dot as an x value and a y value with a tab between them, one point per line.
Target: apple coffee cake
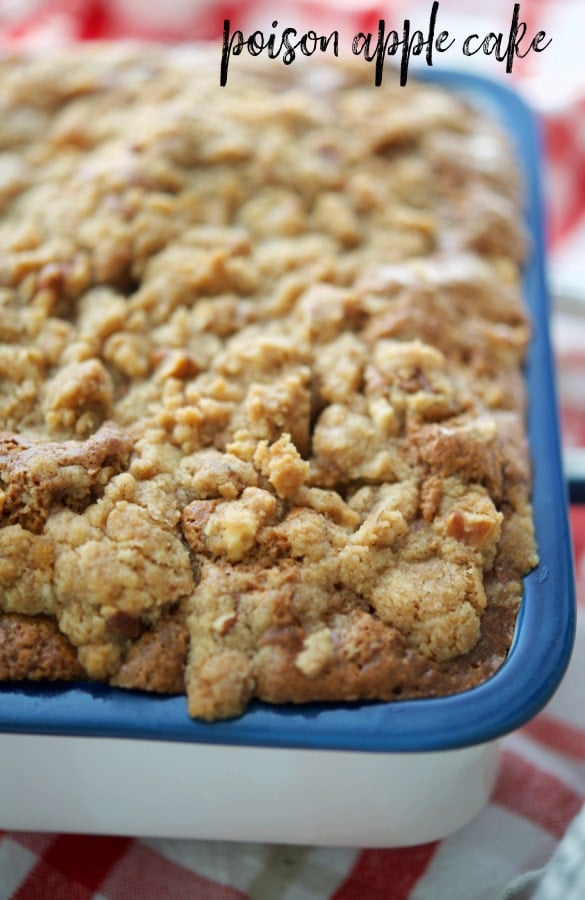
262	403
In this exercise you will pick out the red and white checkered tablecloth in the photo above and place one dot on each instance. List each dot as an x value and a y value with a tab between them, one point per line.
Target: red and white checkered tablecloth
530	839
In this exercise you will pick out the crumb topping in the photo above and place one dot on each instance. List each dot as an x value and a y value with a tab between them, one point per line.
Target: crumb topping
261	392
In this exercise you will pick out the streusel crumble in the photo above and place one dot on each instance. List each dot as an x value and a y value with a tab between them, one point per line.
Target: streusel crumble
261	391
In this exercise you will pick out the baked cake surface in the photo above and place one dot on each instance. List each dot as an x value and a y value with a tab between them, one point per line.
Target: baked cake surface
261	393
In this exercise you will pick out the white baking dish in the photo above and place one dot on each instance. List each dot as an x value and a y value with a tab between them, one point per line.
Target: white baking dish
88	758
155	788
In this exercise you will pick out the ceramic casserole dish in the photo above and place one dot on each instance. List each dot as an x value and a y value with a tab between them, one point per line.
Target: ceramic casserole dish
87	758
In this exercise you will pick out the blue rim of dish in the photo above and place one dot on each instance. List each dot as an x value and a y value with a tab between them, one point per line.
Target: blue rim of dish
546	624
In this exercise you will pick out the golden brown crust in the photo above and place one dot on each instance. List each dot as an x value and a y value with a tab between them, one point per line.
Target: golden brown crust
261	390
34	649
156	660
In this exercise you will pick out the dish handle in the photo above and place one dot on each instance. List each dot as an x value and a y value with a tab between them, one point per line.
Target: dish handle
569	309
574	466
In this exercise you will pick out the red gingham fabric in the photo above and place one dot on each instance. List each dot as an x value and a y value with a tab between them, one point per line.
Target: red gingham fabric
541	786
